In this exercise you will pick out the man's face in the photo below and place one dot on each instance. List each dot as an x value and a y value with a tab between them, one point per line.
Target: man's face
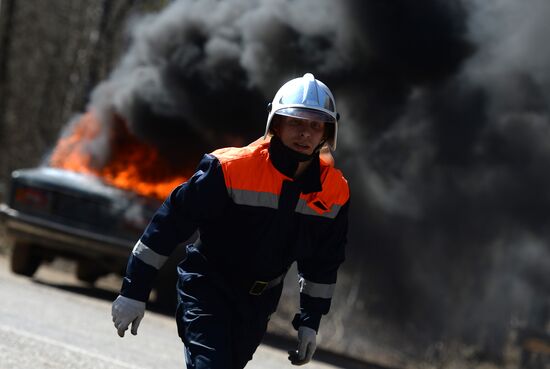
301	135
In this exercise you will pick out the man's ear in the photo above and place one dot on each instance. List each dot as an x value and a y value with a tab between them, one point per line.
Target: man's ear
329	131
275	122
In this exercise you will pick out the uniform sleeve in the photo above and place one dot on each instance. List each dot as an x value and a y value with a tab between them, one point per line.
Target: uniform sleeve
200	199
318	274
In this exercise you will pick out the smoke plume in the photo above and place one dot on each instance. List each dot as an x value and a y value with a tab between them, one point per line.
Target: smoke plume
443	137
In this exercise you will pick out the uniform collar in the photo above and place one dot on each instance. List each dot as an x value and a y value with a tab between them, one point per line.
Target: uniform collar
309	181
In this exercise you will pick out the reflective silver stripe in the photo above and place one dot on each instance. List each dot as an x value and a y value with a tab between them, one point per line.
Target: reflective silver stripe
271	200
303	208
254	198
148	256
316	289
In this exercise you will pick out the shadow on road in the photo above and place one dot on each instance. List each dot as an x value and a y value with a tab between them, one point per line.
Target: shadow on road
94	292
279	342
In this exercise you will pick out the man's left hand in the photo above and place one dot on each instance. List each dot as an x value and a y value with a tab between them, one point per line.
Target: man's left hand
125	311
307	343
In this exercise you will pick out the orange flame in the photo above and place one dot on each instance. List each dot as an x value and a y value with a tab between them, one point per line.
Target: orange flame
132	165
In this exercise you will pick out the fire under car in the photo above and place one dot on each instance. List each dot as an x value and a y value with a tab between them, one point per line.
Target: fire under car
53	212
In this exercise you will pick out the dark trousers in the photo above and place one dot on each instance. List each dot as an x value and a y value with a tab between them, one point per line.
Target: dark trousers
220	325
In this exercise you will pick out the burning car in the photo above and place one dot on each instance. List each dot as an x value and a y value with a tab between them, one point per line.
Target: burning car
88	213
52	212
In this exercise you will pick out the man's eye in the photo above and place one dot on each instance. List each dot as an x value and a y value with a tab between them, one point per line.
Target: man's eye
316	125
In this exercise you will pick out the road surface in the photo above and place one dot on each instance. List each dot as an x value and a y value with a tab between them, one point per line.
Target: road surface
54	321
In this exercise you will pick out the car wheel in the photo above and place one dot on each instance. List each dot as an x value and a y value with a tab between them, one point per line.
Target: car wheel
25	259
87	272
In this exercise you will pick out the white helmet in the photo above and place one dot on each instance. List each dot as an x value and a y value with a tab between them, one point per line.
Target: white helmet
305	98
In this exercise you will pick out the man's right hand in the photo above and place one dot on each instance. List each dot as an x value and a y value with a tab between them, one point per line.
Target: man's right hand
125	311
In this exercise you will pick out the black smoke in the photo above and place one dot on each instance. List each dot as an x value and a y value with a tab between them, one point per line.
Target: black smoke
444	137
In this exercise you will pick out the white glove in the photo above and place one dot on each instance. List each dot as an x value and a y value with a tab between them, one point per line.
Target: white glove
126	311
306	346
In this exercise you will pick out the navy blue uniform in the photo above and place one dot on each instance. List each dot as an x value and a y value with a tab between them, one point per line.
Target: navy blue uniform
254	220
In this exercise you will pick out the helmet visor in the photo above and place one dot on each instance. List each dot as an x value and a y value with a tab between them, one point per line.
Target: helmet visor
309	114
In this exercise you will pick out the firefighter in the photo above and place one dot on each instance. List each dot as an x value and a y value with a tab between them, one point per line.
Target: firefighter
257	209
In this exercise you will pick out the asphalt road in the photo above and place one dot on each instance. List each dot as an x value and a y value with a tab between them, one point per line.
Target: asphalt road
54	321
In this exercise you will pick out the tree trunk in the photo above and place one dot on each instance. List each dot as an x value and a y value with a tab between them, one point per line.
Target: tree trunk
6	21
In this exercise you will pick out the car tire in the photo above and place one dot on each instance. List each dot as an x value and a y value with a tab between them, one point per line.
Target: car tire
25	259
87	272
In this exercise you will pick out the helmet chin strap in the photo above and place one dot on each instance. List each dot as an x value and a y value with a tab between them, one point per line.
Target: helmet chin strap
320	146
